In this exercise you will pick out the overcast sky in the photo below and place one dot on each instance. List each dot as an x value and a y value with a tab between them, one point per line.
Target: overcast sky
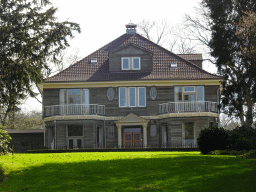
102	21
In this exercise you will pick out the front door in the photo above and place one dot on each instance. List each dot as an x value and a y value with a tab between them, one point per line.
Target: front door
132	139
74	143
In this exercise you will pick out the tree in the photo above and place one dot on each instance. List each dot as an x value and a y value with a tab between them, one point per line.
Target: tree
5	142
232	46
23	120
31	37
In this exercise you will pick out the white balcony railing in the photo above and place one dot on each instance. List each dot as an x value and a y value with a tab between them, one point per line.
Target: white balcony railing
181	107
76	109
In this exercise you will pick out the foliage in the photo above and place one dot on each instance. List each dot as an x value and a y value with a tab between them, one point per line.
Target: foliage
5	142
211	139
2	176
23	120
241	154
31	37
233	45
242	138
127	171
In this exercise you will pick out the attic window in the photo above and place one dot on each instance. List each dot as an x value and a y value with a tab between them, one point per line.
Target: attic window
93	61
173	65
130	63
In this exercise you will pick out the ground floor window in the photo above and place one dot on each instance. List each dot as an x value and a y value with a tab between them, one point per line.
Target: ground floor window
189	133
153	130
75	130
110	131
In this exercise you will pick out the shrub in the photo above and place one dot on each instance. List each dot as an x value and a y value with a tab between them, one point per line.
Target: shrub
211	139
5	141
242	138
1	173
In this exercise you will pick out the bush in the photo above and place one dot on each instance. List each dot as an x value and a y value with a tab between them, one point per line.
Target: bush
5	142
211	139
1	173
242	138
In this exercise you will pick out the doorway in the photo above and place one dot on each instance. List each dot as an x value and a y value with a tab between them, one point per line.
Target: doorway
74	143
132	137
100	137
164	135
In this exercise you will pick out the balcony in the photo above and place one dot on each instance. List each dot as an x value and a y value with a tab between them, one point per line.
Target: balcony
76	109
184	107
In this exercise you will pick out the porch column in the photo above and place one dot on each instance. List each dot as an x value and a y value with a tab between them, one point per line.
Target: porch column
119	135
145	135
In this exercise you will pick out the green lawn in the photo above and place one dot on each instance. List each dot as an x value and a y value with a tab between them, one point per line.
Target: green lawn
127	171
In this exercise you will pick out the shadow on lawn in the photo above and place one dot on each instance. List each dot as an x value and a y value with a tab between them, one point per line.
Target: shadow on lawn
167	173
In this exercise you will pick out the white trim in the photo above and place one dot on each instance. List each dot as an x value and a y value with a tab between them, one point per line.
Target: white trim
135	103
122	65
144	98
189	91
119	92
133	63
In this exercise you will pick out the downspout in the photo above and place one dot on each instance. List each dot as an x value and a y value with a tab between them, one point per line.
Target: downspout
105	134
44	133
218	101
55	135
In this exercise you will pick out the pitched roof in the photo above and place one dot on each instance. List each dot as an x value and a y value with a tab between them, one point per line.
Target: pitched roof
191	57
83	70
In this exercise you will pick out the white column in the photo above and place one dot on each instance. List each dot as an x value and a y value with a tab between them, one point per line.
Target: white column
145	141
119	133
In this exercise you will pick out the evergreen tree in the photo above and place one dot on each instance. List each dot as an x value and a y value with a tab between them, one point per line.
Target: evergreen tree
230	48
30	38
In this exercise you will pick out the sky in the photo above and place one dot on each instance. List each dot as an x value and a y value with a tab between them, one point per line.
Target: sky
102	21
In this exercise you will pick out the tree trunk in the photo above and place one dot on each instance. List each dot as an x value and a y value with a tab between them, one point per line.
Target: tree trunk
249	114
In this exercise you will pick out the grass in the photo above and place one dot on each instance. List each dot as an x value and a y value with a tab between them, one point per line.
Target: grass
127	171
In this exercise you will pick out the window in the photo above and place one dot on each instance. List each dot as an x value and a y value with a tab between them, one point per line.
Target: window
110	131
189	89
75	130
189	130
173	65
189	94
153	130
132	97
93	61
125	63
130	63
71	100
153	93
110	94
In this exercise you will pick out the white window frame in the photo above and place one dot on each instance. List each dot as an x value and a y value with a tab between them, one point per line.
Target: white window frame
133	63
128	63
129	101
111	132
127	95
120	96
189	91
139	97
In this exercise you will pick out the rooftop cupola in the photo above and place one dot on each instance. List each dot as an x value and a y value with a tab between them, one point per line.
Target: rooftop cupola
131	28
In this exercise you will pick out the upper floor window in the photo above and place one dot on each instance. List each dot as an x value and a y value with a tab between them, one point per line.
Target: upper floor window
189	93
130	63
132	97
74	96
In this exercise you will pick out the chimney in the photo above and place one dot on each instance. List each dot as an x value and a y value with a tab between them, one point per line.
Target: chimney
130	28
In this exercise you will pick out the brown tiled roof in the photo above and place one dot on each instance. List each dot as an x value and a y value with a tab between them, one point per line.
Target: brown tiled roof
83	70
191	57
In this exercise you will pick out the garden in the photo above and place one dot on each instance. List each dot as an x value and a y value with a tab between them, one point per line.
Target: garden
127	171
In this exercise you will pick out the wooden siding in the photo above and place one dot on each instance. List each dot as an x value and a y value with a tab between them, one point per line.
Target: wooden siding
51	97
146	59
211	93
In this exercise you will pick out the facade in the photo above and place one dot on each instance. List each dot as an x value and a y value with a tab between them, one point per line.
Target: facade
130	93
27	139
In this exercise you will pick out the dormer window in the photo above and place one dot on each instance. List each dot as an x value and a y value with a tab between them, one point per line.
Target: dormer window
93	61
173	65
130	63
